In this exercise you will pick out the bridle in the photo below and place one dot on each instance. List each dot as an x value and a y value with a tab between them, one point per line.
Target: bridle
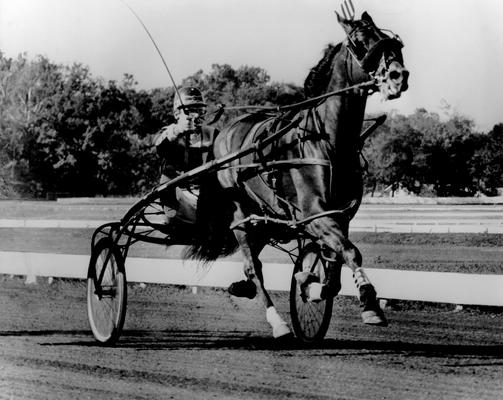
372	60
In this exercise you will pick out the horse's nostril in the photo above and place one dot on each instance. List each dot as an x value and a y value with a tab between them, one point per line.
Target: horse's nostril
395	75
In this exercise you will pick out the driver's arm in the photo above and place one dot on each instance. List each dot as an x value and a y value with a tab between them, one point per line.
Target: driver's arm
169	133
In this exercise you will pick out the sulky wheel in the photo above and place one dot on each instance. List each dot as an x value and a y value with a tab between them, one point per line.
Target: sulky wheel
310	319
106	291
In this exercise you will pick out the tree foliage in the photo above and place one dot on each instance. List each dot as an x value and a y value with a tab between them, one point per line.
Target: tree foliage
243	86
427	154
64	131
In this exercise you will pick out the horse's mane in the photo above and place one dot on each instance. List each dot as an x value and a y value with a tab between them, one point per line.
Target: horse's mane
317	80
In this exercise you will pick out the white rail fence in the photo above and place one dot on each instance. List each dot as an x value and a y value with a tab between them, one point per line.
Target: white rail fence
398	225
442	287
456	288
370	218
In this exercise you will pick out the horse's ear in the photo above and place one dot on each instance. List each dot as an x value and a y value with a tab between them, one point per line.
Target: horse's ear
367	17
340	20
343	21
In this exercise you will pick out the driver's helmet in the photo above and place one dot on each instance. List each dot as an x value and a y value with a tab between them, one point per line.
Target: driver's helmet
188	96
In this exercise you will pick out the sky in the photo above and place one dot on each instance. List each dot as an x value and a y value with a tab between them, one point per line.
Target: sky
453	48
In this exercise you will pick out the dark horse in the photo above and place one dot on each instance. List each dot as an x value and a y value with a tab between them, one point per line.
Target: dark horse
312	168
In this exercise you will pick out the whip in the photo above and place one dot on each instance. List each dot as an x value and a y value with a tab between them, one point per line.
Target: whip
156	47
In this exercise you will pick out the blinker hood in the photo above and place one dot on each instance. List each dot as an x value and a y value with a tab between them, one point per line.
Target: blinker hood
370	60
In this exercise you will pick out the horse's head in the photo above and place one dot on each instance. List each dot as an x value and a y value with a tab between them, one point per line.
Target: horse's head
377	54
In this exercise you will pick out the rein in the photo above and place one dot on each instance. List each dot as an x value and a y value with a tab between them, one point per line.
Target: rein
301	105
290	162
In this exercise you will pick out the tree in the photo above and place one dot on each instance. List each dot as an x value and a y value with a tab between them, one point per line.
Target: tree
392	157
24	86
422	151
94	139
63	130
487	165
246	85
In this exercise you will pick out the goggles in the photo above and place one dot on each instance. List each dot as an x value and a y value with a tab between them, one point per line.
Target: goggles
192	111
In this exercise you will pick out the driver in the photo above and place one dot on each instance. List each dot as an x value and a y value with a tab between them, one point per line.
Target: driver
185	144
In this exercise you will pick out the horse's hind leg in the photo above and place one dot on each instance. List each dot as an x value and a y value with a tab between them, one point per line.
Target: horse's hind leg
253	271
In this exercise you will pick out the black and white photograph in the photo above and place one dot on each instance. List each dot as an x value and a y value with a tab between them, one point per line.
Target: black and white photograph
251	199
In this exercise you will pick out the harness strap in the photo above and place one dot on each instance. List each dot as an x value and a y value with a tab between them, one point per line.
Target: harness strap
365	134
292	162
377	122
294	224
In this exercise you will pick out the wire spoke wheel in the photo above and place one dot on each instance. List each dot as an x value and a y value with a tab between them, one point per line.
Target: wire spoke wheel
310	320
106	292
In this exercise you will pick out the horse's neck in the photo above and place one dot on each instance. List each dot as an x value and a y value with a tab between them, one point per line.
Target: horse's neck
343	115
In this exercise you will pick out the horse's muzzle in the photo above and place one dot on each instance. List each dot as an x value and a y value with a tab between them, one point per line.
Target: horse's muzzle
395	81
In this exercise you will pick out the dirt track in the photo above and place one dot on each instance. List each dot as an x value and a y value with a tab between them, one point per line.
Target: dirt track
208	345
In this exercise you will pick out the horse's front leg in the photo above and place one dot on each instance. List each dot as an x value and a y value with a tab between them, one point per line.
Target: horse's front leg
336	239
372	313
253	270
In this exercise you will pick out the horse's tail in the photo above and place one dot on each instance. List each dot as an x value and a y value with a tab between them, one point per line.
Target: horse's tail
212	236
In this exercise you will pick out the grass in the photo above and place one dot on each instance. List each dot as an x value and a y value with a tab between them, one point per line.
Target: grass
430	239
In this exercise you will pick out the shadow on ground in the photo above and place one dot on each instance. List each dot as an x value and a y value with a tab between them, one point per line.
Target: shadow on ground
208	340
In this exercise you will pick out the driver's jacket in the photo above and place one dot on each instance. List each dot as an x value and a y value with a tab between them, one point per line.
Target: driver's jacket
186	152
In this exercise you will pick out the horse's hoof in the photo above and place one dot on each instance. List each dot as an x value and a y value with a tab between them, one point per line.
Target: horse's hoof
245	288
279	326
281	331
371	317
331	290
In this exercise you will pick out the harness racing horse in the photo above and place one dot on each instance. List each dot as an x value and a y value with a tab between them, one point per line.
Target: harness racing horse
310	170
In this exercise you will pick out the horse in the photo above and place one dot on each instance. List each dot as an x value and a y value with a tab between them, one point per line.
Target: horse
312	167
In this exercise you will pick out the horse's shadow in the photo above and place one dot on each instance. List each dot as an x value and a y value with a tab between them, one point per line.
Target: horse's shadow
143	340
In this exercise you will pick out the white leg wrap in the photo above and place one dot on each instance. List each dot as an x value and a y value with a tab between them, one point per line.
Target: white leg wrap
279	326
360	277
314	291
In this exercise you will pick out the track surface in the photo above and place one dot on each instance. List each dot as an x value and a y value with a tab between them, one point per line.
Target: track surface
210	346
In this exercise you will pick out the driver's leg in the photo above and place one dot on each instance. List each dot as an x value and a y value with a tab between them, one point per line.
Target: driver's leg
168	200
